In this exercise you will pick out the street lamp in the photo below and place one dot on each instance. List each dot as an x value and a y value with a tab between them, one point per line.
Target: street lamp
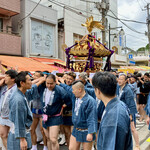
121	32
115	39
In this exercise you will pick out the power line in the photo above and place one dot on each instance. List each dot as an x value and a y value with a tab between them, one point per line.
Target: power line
70	8
31	11
140	5
87	1
129	19
145	1
67	7
137	37
120	14
98	14
127	25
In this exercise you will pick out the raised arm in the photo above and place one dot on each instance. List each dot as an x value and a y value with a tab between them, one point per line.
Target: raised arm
2	82
1	68
39	81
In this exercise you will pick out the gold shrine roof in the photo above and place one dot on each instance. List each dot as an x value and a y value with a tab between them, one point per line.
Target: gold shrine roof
82	47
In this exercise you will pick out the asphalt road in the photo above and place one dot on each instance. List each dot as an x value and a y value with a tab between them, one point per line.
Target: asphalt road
141	127
61	147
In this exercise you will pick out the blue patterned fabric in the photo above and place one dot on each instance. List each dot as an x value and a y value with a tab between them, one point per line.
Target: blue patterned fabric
81	135
114	132
128	98
21	117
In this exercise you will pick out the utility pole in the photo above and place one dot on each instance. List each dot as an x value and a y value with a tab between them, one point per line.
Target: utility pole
64	35
103	21
125	45
103	7
109	37
148	25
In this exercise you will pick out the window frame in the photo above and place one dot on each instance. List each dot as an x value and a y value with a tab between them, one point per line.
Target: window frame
1	24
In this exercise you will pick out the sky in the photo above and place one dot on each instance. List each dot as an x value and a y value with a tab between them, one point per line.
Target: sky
132	9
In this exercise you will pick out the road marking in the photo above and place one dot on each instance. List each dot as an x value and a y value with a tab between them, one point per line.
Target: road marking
148	140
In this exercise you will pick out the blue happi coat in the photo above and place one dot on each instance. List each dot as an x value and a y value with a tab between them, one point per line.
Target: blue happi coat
114	132
91	92
88	85
67	113
59	97
21	117
37	104
68	88
128	98
85	117
133	87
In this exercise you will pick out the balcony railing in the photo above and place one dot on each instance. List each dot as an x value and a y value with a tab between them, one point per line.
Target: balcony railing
9	31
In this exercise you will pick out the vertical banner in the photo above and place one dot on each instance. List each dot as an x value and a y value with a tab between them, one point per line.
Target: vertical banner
120	40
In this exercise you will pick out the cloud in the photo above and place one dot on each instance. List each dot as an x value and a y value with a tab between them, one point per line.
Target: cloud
132	10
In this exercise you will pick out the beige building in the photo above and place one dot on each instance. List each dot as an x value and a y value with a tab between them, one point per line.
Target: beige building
10	41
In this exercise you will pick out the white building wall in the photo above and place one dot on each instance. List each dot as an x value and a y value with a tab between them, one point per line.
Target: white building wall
72	24
73	21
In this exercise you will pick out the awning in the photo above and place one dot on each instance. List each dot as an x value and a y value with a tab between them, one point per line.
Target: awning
132	69
57	63
25	64
142	68
63	64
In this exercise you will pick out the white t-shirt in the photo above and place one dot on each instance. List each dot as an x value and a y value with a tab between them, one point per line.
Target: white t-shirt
77	104
47	96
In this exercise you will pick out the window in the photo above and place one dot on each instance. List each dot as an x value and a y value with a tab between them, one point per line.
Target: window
1	25
77	37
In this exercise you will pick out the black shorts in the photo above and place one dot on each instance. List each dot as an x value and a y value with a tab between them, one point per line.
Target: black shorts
143	98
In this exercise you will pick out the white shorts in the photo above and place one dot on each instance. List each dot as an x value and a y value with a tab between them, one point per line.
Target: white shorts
5	122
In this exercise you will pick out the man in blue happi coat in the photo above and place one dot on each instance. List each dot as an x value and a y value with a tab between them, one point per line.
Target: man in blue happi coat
6	91
114	130
84	78
36	108
67	111
126	95
84	118
54	97
19	137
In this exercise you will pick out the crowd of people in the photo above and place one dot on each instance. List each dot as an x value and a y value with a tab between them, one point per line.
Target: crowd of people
98	113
